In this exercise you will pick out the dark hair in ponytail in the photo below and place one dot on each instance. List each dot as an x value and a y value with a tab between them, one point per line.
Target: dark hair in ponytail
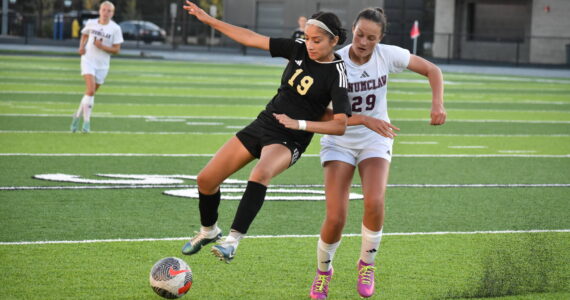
375	15
333	23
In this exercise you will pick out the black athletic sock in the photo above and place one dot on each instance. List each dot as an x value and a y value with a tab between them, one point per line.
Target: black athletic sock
249	206
208	205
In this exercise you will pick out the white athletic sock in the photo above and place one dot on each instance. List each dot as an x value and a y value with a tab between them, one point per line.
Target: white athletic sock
233	238
325	255
87	107
236	235
210	231
78	112
370	244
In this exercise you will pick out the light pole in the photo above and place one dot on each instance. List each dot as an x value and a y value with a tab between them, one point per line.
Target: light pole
173	7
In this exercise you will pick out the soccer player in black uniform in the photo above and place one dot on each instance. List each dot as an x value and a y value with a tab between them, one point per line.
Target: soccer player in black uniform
313	78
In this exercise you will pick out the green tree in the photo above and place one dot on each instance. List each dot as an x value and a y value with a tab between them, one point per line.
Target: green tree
205	5
43	8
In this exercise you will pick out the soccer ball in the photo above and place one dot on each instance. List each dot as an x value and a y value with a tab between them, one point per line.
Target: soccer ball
171	278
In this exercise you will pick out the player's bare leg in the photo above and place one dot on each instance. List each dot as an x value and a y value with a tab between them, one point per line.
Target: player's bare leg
86	104
274	159
338	178
230	158
374	174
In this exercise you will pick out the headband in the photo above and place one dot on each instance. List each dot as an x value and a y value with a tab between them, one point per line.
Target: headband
321	25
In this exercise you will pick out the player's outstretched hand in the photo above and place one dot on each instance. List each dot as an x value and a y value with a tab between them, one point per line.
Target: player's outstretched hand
196	11
381	127
438	115
81	50
286	121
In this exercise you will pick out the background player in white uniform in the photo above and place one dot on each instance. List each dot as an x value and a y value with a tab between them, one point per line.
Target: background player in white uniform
366	145
278	136
99	39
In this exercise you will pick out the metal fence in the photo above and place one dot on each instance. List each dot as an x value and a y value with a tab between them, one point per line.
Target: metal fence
444	47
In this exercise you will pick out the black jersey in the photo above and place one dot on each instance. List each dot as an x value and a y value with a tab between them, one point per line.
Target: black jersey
307	87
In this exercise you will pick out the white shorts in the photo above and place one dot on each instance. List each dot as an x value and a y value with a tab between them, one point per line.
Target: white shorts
88	68
331	151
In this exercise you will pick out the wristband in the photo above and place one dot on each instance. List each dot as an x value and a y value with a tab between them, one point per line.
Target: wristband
302	124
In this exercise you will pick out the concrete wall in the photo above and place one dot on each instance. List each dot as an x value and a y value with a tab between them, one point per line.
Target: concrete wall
510	49
546	34
444	28
550	31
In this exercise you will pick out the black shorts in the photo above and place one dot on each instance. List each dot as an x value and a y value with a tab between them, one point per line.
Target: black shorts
261	133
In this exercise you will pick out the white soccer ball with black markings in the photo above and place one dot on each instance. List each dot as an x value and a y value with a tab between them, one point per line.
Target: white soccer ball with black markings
171	278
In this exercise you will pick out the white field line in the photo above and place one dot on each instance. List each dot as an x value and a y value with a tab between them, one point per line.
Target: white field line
195	79
108	115
287	236
134	95
233	132
169	88
467	147
161	186
124	132
34	104
418	143
304	155
257	97
205	123
153	118
517	151
488	121
422	109
463	78
203	79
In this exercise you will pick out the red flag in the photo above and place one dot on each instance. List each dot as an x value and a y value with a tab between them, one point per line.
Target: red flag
415	32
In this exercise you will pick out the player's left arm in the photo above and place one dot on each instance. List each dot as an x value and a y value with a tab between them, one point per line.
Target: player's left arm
114	49
435	78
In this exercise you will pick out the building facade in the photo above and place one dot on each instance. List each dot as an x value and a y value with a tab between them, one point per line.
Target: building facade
512	31
516	31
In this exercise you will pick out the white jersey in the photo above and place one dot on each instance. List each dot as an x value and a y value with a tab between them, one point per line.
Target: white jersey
367	89
111	35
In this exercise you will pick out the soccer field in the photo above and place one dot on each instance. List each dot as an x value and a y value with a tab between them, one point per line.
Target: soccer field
477	208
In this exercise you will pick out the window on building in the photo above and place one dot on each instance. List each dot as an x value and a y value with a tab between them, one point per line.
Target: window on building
496	22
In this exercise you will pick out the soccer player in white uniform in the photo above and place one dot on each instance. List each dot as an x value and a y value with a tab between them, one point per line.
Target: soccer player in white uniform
99	39
366	144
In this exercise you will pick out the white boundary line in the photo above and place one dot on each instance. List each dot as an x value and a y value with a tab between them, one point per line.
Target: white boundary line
161	186
100	115
304	155
238	127
287	236
258	97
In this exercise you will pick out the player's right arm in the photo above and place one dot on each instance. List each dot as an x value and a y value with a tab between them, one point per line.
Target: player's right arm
241	35
82	42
